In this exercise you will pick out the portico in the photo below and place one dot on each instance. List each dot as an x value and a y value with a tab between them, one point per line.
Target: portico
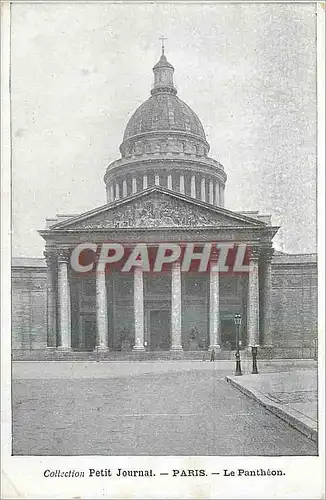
176	309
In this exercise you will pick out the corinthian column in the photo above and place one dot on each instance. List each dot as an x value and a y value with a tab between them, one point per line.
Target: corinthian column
64	342
51	268
253	299
176	307
214	307
139	308
101	311
266	297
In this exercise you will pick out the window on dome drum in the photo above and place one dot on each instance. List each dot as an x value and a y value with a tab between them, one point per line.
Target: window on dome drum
187	185
151	179
164	146
163	179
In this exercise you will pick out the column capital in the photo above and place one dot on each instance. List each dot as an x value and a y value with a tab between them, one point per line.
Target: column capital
63	254
267	253
255	252
51	256
213	263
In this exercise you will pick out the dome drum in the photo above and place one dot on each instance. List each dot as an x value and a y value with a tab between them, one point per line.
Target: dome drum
166	161
202	186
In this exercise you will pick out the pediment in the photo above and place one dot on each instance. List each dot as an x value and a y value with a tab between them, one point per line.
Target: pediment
156	208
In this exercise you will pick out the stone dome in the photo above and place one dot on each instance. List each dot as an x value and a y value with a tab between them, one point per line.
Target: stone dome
164	144
164	111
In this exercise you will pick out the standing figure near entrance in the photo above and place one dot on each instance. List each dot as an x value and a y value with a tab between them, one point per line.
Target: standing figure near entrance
212	355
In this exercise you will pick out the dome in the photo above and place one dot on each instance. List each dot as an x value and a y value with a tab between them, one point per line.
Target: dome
164	112
164	144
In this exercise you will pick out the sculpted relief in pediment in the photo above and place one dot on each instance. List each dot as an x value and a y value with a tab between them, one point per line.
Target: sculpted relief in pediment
155	212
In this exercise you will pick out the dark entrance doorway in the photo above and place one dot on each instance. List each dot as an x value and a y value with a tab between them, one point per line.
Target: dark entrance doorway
228	337
159	330
89	332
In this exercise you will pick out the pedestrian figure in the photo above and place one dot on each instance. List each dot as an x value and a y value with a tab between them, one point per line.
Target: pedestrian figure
212	355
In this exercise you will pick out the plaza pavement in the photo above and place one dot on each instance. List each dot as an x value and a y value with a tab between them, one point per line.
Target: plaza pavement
291	395
107	369
147	408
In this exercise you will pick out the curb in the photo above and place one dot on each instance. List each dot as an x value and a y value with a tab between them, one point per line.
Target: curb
303	424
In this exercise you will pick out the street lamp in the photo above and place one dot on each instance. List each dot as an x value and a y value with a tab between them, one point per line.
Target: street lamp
254	359
237	321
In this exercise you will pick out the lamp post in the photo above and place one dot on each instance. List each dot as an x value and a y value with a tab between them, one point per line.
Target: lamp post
254	359
237	321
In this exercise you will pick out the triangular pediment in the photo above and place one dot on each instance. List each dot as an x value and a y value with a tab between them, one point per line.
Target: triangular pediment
154	208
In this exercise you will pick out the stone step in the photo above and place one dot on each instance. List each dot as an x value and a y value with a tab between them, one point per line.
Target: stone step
54	355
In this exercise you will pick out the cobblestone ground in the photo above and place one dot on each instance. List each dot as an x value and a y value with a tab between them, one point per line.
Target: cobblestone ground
181	411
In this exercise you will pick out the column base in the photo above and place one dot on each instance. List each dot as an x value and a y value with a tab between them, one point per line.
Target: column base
101	348
249	347
63	348
51	348
138	348
216	348
176	348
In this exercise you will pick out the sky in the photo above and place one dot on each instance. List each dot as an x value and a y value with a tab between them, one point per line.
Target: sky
79	71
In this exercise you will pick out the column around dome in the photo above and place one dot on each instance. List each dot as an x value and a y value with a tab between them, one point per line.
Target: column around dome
182	184
203	189
217	194
211	192
193	186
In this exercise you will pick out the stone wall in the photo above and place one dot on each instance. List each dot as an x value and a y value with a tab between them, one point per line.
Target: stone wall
29	319
294	303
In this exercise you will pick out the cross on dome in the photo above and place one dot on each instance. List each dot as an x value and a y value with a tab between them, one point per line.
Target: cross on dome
162	38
